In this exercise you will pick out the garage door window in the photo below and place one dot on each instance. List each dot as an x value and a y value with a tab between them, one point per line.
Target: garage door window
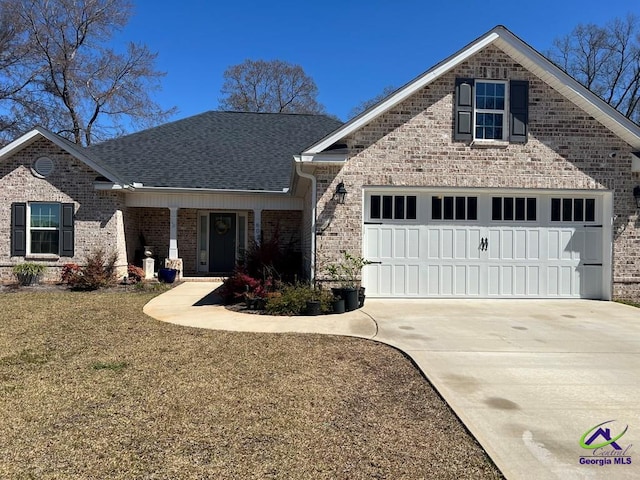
454	208
393	207
513	208
573	210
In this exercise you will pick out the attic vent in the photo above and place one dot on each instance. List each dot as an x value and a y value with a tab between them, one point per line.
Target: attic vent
43	167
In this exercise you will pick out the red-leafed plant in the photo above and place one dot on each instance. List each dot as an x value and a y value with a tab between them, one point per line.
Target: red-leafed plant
135	274
69	270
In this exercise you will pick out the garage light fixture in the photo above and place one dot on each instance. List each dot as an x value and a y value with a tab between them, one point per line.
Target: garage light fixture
341	193
636	195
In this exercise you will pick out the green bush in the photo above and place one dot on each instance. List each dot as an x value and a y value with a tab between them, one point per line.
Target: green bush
28	273
292	300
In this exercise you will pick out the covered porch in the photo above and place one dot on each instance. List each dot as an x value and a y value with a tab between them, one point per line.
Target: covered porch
208	234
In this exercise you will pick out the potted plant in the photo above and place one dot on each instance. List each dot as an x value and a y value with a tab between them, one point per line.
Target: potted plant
347	273
337	305
167	275
29	273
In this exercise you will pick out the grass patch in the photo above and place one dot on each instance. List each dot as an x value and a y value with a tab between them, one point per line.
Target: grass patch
191	403
631	303
25	357
115	366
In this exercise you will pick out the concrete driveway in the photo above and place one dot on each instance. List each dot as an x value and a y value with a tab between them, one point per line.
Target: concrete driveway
529	378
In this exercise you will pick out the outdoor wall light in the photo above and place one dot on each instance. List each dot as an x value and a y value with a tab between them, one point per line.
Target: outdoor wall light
341	193
636	195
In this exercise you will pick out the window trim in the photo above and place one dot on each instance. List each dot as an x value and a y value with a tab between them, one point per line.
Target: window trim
504	111
516	109
20	235
29	253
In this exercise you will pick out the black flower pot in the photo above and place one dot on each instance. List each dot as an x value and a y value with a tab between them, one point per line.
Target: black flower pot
338	305
350	296
28	279
313	307
361	297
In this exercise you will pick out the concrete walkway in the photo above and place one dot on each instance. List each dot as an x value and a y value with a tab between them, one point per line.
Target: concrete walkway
527	377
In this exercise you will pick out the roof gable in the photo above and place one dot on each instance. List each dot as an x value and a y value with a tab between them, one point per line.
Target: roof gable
72	149
522	53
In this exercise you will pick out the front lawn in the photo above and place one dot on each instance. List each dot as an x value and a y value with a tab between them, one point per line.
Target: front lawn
90	387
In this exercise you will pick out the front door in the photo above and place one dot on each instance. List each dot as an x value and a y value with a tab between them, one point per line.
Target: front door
222	242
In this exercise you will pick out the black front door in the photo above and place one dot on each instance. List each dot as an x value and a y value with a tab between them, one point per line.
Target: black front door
222	242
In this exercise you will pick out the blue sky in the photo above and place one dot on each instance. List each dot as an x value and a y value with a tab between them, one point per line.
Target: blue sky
351	48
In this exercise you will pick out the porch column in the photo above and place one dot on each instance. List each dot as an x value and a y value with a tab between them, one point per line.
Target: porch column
257	225
173	233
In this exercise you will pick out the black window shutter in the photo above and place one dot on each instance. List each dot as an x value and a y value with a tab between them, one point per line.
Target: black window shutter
464	109
519	111
67	233
18	229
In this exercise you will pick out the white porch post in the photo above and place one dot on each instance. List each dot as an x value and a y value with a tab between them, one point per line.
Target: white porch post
257	224
173	233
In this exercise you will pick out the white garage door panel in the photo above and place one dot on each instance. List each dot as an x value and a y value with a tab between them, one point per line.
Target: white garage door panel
486	258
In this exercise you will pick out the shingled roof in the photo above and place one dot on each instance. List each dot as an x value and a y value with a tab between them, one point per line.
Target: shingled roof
215	150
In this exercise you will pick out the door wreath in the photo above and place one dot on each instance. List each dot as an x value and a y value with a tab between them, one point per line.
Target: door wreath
222	226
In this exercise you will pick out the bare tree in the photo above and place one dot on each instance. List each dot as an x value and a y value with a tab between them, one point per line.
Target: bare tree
75	84
269	86
365	105
606	60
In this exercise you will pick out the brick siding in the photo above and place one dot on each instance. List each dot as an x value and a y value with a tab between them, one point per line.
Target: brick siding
412	145
98	214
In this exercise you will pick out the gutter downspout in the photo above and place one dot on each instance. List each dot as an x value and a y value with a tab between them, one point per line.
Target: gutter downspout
314	199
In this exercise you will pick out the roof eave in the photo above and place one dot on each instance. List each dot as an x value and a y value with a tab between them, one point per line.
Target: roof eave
139	188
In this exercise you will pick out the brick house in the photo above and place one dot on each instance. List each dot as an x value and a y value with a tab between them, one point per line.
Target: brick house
492	175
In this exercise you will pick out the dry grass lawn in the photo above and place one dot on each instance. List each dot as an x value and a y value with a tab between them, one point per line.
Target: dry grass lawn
92	388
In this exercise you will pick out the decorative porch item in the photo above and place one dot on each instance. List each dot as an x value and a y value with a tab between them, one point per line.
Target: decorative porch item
167	275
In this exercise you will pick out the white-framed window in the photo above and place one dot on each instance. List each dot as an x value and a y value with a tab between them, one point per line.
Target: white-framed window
42	228
43	236
490	110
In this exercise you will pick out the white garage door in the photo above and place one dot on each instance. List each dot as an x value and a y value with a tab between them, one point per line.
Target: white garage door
486	245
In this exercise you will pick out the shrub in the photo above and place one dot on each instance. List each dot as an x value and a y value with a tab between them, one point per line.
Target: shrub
347	270
273	258
28	273
240	283
68	271
135	274
293	299
99	272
